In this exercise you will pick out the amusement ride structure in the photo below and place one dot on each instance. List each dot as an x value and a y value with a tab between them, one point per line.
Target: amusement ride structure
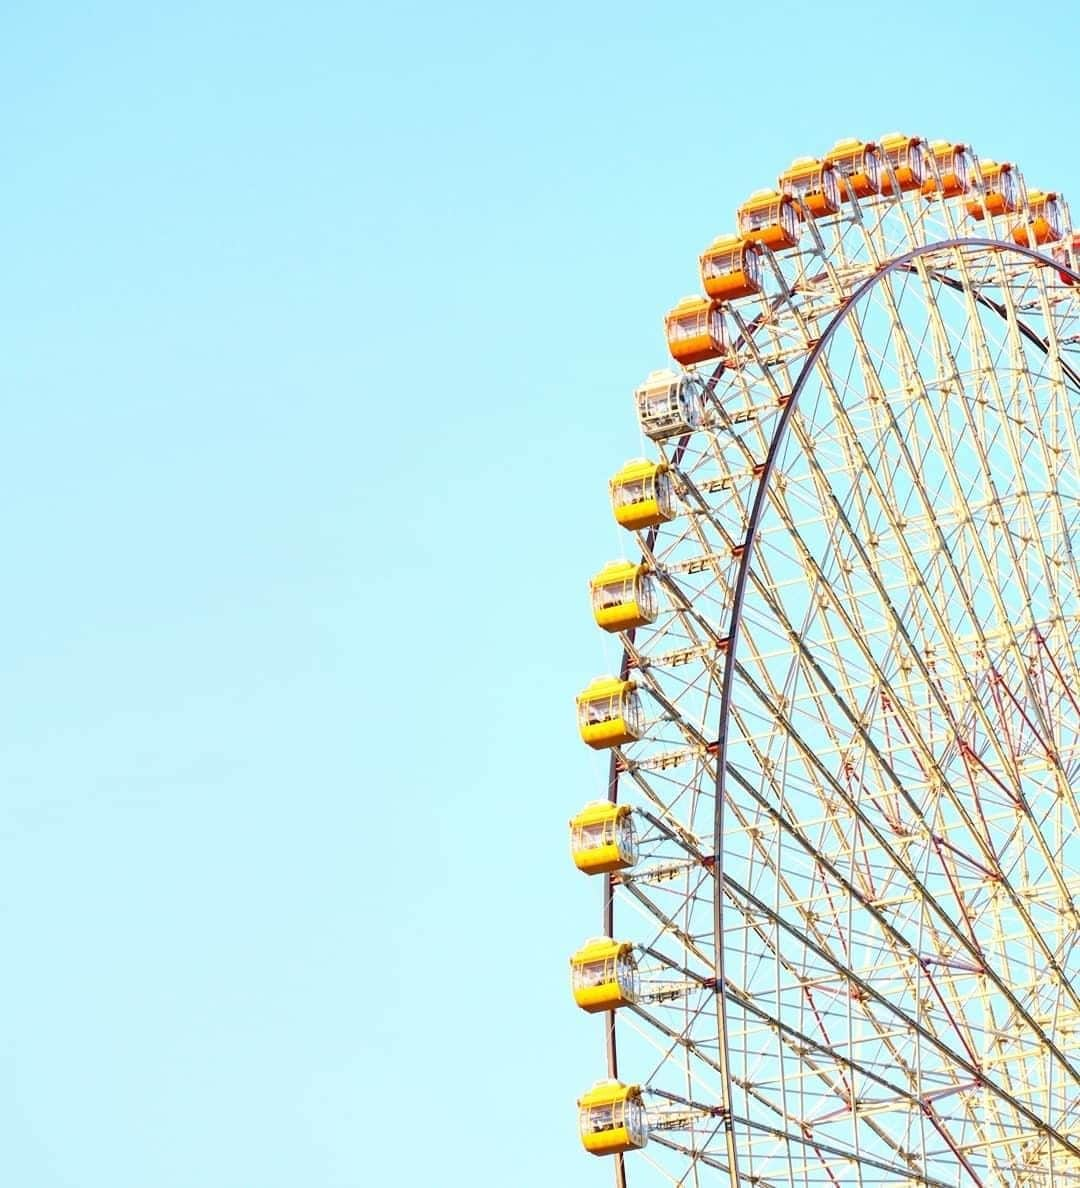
839	855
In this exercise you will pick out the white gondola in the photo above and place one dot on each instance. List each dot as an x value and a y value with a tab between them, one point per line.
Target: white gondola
668	405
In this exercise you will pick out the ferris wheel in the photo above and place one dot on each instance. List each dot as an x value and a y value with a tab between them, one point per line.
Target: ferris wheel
840	848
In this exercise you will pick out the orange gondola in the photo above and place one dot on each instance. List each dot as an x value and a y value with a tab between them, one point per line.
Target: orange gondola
858	163
1046	221
731	268
949	162
695	331
769	218
905	156
814	184
1002	190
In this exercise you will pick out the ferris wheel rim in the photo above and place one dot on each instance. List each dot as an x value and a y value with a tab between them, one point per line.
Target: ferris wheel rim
611	1031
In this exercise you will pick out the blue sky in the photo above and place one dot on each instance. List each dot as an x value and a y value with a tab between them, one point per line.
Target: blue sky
318	326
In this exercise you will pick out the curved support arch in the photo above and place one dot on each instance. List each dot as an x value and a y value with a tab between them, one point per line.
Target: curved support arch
897	264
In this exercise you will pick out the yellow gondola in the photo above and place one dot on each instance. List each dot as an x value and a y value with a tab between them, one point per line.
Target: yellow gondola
623	596
904	154
603	839
695	331
668	405
609	713
642	494
769	218
603	975
814	184
731	268
953	162
859	164
612	1119
1046	222
1001	190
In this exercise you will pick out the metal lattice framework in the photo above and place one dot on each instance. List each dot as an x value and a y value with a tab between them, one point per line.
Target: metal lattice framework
855	906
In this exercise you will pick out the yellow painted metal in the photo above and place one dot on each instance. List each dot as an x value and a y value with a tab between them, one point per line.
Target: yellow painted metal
611	1118
602	838
609	713
602	975
623	596
641	494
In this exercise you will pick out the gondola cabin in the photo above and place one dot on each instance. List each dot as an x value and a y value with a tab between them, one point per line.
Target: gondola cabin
642	495
731	268
903	160
612	1118
1001	190
609	713
858	163
602	838
695	331
1046	222
814	184
768	218
603	975
623	596
1067	254
947	169
668	405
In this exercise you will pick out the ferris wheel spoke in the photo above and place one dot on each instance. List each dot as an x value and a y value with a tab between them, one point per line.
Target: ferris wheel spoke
695	1154
930	900
1061	377
943	707
978	436
688	943
984	357
888	423
964	936
820	1149
911	1024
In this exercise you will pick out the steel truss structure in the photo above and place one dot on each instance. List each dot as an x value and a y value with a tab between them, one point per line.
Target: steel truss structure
855	908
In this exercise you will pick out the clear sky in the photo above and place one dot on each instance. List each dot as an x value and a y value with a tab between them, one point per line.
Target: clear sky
318	325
